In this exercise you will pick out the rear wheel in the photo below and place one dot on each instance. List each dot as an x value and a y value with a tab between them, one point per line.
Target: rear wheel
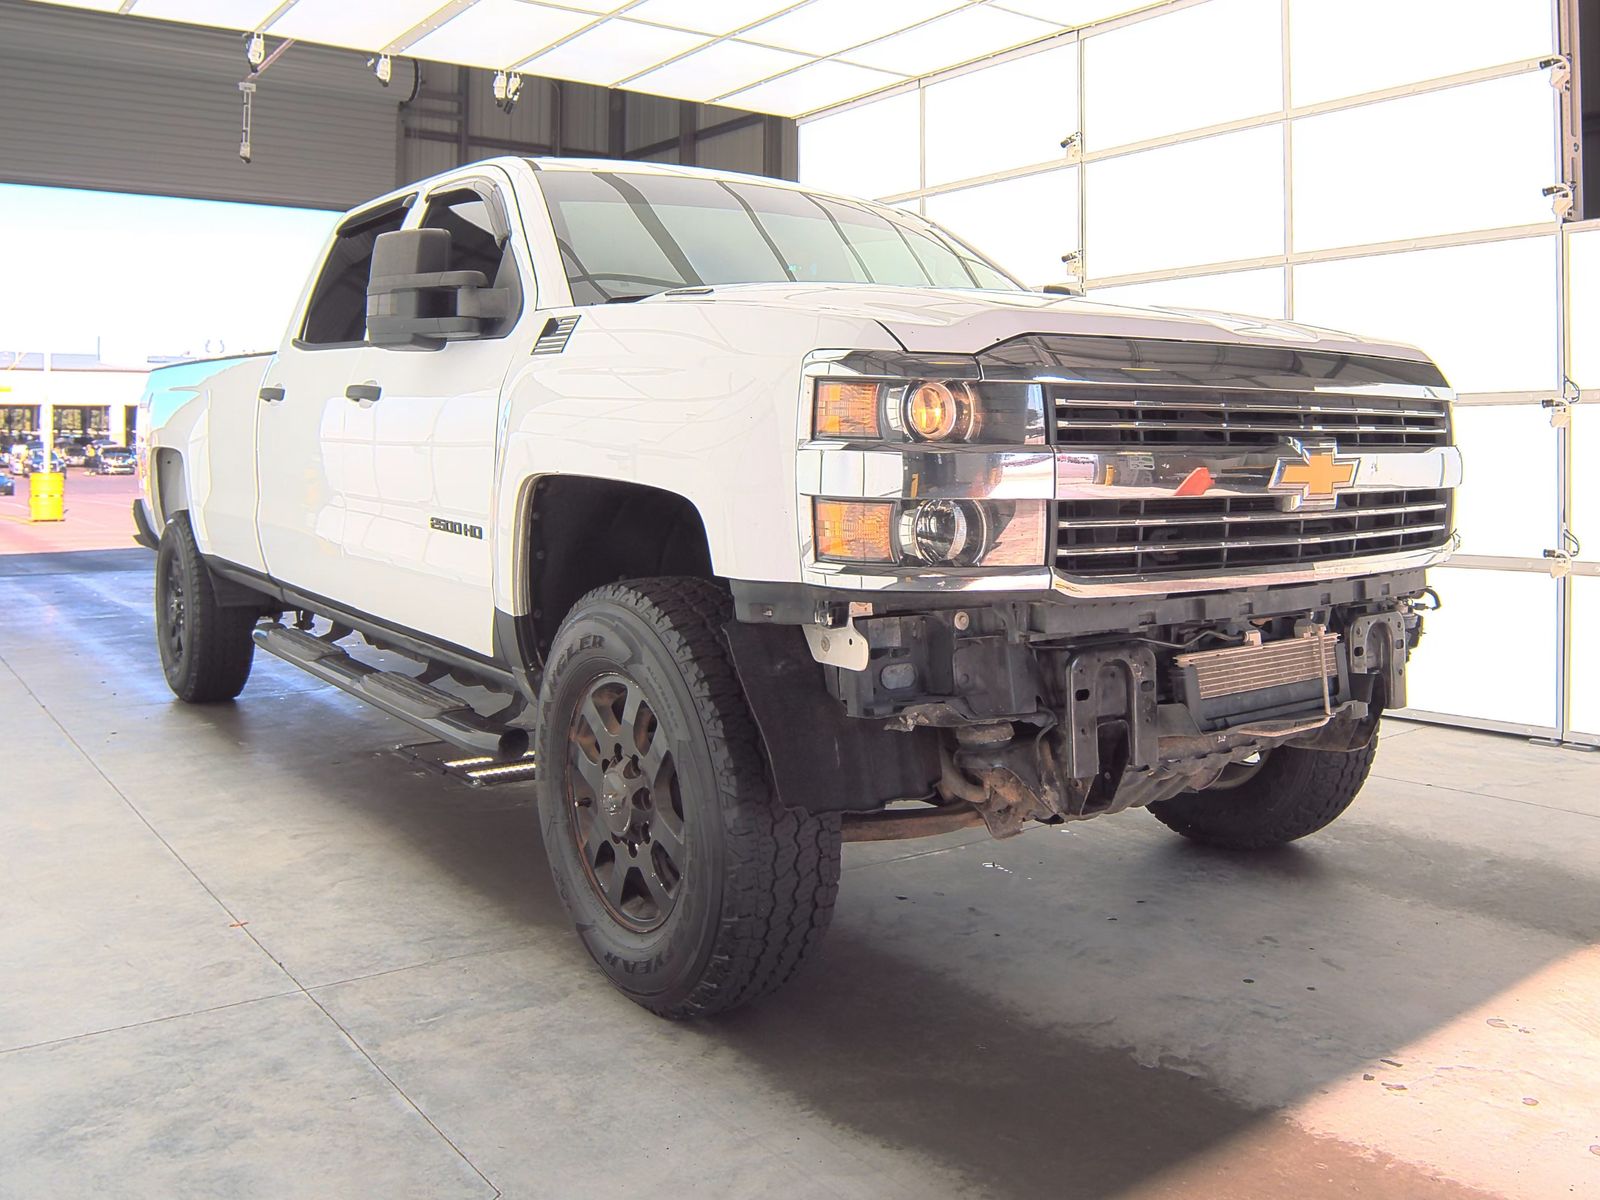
691	888
1292	793
206	649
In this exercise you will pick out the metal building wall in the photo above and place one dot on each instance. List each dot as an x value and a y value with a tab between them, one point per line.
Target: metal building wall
97	101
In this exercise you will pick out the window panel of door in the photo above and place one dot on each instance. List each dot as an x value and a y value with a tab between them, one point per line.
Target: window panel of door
1216	200
1506	504
1333	50
1584	518
1485	313
965	140
1452	672
1583	306
1192	69
1429	152
1586	655
870	151
1248	293
1026	225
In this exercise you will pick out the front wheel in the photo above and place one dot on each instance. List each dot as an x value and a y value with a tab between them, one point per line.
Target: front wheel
206	648
691	888
1294	792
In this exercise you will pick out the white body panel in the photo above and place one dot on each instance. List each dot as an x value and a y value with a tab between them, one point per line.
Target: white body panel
697	394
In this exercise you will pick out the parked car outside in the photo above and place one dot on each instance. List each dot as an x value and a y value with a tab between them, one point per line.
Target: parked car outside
113	460
36	460
7	487
74	452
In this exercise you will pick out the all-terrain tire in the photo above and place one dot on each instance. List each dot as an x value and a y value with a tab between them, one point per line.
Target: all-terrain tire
206	649
755	887
1296	792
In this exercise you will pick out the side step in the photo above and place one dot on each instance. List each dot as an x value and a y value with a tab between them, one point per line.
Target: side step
474	770
437	712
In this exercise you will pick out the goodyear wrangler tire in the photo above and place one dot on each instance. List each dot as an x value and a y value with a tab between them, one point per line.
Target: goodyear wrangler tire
691	888
206	649
1296	792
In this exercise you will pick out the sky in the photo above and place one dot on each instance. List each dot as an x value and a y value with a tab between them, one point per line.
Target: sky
149	275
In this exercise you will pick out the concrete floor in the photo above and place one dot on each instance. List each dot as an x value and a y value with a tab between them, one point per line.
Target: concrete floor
246	951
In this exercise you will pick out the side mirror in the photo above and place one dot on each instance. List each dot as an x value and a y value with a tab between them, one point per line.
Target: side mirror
414	303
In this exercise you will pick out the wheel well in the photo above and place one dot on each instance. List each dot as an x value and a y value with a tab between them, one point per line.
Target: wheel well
587	532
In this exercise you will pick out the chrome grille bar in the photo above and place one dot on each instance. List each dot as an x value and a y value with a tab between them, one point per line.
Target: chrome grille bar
1246	518
1247	543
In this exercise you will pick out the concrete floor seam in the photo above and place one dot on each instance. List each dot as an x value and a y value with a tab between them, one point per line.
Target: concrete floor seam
178	1016
401	1092
232	916
1444	787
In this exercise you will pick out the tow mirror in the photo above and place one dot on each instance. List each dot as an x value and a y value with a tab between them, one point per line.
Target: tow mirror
415	303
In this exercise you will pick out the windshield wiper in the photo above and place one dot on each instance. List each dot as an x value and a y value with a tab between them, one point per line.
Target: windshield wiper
629	299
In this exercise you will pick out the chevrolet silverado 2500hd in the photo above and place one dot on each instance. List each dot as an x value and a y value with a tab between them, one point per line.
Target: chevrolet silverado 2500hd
776	519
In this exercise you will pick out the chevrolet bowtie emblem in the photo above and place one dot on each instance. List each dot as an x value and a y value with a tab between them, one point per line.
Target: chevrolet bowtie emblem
1313	479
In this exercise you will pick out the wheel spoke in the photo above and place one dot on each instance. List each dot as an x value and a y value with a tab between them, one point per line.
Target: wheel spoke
617	880
653	761
589	771
655	886
593	835
667	831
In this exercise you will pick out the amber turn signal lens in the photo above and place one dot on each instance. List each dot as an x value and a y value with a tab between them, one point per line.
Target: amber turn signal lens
846	410
937	411
854	531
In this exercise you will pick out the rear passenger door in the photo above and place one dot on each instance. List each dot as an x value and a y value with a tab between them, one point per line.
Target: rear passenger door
302	410
418	461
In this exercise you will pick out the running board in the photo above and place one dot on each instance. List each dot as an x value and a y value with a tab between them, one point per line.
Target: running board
431	709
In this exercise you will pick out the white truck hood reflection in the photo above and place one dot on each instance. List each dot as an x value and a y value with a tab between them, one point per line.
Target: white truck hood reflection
953	321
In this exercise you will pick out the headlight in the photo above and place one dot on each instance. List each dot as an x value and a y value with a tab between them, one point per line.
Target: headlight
955	412
931	533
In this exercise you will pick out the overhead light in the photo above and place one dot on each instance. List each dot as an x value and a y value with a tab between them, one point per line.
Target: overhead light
383	67
255	49
507	87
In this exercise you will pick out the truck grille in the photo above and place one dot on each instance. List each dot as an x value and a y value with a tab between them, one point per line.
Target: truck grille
1140	537
1120	416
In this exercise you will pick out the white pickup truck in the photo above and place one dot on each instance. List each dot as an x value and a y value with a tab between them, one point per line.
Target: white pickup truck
773	518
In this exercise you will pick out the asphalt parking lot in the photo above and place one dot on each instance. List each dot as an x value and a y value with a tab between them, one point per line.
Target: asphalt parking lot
249	951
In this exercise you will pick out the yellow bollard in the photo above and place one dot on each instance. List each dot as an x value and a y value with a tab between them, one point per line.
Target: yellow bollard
46	490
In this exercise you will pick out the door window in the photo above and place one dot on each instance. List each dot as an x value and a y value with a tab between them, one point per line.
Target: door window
337	314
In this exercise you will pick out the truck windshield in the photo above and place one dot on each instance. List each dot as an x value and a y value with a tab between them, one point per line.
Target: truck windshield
624	236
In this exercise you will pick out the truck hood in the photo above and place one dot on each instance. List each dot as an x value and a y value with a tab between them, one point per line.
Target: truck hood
952	321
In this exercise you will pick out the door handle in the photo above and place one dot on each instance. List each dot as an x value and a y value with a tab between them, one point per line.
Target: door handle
363	393
272	394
